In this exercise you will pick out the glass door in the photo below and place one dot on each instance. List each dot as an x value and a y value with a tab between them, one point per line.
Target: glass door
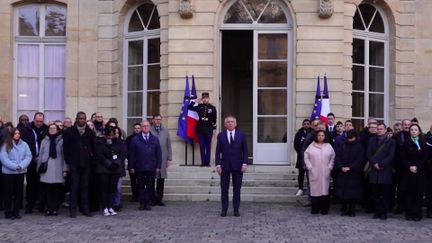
270	97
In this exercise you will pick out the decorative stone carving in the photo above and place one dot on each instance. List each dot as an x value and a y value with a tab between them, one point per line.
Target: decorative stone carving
326	9
185	9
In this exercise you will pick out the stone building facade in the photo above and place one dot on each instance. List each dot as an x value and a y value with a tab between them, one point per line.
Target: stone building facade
374	67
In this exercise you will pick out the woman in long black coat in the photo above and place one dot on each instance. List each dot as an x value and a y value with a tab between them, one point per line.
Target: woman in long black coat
349	169
413	173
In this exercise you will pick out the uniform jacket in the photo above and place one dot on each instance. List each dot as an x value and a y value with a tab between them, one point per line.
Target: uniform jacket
145	156
319	159
165	143
349	185
57	166
207	117
19	155
384	158
231	157
78	149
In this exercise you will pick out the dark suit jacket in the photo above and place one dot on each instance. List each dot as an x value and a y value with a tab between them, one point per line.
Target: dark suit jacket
231	156
384	158
145	156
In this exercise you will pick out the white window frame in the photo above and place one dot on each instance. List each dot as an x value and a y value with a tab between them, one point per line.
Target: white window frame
42	41
144	36
367	36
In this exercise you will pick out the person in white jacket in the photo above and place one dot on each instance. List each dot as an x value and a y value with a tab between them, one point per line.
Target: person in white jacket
319	158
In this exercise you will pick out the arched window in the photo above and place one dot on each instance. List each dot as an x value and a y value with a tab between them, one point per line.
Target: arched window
370	65
248	12
141	64
40	60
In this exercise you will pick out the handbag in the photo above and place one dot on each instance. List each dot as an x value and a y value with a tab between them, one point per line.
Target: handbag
43	167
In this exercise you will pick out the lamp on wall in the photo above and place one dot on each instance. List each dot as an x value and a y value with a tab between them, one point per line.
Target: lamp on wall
185	9
325	9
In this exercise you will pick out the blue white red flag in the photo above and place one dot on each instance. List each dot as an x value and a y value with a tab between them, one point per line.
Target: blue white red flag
181	126
325	102
316	111
192	116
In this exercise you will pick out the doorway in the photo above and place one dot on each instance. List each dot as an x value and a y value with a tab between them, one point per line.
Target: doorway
237	81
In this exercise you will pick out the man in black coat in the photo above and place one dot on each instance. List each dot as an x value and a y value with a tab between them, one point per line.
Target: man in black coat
32	177
133	179
396	196
380	154
205	126
298	142
78	149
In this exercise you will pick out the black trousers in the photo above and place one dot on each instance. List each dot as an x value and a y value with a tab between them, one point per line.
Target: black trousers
429	191
320	204
158	194
134	186
145	186
52	195
79	185
413	204
13	186
237	178
108	188
380	198
94	193
300	178
32	186
1	189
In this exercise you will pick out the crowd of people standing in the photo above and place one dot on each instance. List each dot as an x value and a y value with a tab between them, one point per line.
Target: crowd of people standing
80	164
380	168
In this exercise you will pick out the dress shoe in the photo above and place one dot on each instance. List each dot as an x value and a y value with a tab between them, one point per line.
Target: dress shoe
17	216
376	216
8	215
417	219
160	204
398	210
28	211
54	213
223	214
47	213
87	214
325	212
141	207
383	217
236	214
429	215
72	214
147	208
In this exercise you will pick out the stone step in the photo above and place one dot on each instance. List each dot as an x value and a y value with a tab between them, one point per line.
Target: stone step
216	190
244	197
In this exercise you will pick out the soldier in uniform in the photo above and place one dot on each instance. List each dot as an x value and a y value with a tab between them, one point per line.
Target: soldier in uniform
206	125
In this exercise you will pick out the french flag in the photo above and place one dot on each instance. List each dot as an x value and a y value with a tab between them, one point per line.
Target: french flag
325	102
192	116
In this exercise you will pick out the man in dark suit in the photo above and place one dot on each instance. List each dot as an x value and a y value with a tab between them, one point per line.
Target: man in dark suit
231	161
78	148
205	126
145	160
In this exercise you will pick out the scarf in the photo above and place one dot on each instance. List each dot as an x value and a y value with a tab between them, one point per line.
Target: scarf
81	130
416	141
52	148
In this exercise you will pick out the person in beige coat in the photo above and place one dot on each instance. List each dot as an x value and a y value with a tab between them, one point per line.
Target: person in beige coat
319	158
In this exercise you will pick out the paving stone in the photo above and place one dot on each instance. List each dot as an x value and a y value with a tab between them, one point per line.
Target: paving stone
200	222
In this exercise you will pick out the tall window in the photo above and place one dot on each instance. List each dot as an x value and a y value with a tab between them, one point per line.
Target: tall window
370	66
142	64
40	68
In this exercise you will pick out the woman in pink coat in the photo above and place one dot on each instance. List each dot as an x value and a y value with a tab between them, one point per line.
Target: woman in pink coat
319	157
